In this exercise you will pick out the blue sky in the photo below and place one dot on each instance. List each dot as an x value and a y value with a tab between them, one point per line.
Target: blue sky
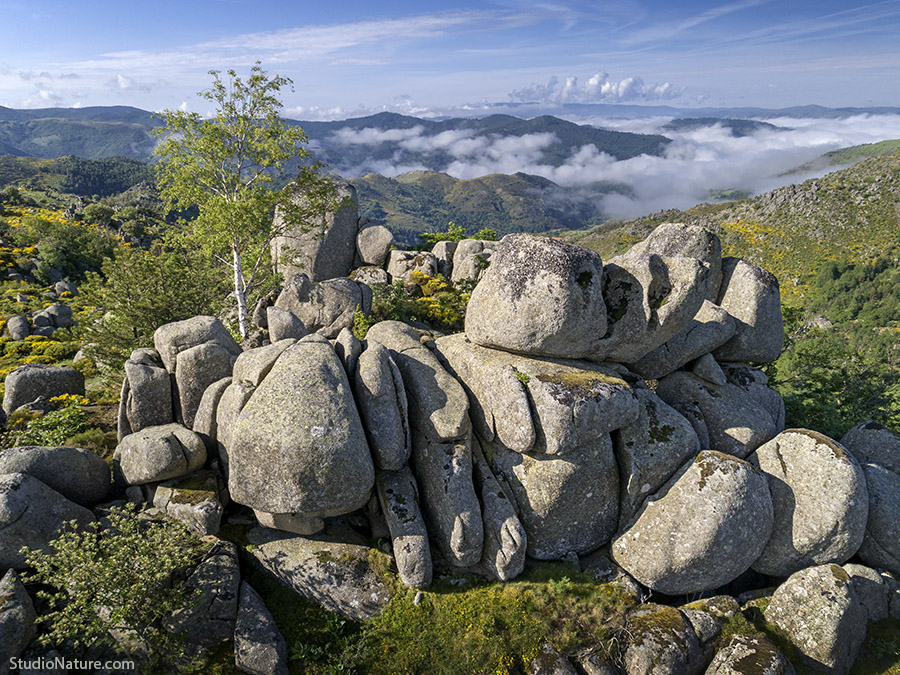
428	57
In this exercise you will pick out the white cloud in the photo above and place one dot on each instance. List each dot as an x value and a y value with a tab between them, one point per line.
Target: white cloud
599	88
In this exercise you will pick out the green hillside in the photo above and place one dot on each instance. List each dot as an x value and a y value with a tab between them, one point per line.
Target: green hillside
850	155
851	215
425	201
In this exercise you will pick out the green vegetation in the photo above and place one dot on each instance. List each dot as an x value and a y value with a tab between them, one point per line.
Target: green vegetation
454	233
141	290
123	578
224	166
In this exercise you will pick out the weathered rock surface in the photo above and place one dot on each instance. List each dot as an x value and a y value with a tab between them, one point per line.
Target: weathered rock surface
704	528
173	338
881	543
253	365
195	369
17	327
348	348
471	258
198	501
259	647
334	575
323	246
734	422
746	655
149	399
650	299
205	421
401	265
662	642
283	325
370	276
233	400
17	617
77	474
326	307
399	498
649	451
819	611
32	514
383	407
443	252
751	295
159	453
217	583
373	244
710	328
505	540
298	443
509	309
755	383
538	405
872	590
871	443
820	499
565	502
30	381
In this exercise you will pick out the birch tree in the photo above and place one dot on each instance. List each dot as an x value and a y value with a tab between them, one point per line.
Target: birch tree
224	165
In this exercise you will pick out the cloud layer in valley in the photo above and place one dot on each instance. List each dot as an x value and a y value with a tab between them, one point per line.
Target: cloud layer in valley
698	161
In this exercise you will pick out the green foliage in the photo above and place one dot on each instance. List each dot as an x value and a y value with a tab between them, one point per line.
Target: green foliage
98	214
434	301
492	627
102	177
140	291
453	233
53	429
225	165
122	577
836	374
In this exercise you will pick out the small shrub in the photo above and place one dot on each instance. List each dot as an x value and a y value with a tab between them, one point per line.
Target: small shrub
117	578
54	428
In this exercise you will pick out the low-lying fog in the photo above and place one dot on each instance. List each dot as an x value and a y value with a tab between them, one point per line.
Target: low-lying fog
697	162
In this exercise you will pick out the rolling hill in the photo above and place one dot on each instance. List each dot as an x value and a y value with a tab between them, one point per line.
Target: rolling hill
852	214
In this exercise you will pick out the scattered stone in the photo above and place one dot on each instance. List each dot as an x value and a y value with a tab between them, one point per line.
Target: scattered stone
746	654
283	325
509	309
32	380
751	295
63	286
173	338
383	407
198	501
881	543
217	581
662	642
298	446
649	451
871	443
77	474
32	515
813	525
159	453
373	243
148	401
704	528
17	327
399	498
337	576
871	589
734	422
505	541
17	619
323	245
819	611
259	647
402	264
548	661
710	328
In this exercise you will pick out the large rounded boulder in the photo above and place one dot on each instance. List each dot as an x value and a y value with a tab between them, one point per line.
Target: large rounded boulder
872	443
820	500
703	529
298	444
539	296
77	474
881	543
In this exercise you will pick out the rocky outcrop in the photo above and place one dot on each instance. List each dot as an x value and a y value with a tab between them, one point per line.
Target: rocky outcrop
813	525
881	543
77	474
27	383
159	453
705	527
259	647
